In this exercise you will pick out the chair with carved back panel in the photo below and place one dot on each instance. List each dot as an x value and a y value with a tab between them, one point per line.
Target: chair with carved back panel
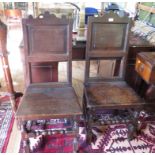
47	40
109	100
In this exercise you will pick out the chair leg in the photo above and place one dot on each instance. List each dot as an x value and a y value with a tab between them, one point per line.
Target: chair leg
131	131
84	106
86	121
76	131
26	145
89	134
135	126
25	138
75	145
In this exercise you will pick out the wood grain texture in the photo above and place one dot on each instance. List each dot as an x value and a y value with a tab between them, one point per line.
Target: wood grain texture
107	39
145	66
49	101
112	95
47	39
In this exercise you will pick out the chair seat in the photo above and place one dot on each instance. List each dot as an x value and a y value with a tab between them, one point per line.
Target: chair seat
112	95
43	101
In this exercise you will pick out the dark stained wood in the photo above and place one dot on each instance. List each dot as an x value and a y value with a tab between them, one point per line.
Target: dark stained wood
112	95
47	41
131	76
50	102
149	95
78	50
39	47
48	72
103	43
117	67
145	66
137	45
107	53
47	58
107	38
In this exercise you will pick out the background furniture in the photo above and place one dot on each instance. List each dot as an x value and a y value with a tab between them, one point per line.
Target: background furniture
136	45
145	63
5	65
108	40
13	17
145	67
46	103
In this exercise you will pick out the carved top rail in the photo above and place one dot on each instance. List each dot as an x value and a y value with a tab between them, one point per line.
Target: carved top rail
47	18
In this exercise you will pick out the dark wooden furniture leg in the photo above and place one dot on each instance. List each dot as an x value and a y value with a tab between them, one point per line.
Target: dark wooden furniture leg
76	130
117	67
55	71
150	93
89	134
25	137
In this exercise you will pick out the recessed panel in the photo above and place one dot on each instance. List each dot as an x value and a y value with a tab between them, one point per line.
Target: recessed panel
43	72
107	36
48	40
102	68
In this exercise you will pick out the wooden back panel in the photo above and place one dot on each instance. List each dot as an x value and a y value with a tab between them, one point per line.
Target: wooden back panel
47	40
107	38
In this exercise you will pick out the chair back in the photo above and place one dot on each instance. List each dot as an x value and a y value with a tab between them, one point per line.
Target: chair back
107	39
47	41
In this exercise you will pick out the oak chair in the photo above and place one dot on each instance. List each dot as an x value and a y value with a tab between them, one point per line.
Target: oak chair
109	100
47	40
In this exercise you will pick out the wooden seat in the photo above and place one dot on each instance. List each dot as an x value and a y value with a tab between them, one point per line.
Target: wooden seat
45	98
112	94
107	39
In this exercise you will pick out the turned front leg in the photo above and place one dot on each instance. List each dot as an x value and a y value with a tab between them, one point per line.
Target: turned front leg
76	132
89	134
25	138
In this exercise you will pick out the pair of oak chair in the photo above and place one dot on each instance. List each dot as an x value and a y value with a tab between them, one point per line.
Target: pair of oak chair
47	41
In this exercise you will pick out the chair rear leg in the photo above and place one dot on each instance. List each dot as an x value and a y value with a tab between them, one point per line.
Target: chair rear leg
25	138
87	121
89	134
135	126
75	145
